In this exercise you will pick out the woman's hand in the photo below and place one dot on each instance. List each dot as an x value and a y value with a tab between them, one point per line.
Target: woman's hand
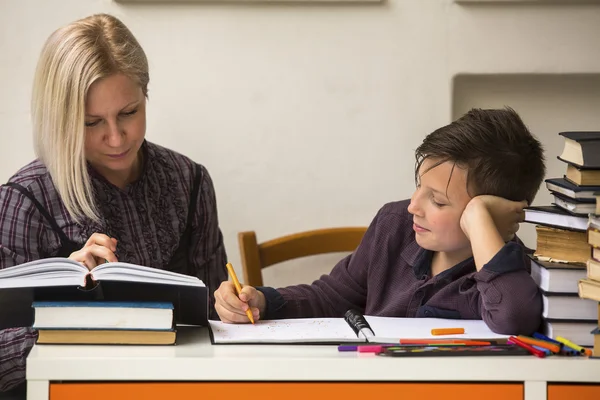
98	249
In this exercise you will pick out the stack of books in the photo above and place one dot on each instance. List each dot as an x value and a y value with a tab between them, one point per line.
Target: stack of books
115	302
589	286
562	249
102	322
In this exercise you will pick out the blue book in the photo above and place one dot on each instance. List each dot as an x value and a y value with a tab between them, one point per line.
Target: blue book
111	315
104	304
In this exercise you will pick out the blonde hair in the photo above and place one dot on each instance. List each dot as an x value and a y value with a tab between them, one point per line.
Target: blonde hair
72	59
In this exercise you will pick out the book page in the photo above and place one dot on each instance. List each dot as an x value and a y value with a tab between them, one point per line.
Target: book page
44	272
310	330
390	330
120	271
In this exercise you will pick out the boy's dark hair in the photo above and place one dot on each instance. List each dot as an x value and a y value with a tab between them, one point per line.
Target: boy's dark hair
502	157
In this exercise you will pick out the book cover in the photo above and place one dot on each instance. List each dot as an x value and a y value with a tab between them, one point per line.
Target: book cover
581	136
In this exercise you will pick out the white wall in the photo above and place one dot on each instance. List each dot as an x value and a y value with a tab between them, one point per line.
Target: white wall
306	115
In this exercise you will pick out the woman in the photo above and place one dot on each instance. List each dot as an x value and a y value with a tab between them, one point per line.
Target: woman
98	191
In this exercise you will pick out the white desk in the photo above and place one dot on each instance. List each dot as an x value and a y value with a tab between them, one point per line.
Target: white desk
194	359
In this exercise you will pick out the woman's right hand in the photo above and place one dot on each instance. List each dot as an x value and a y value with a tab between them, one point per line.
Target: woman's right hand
96	250
232	308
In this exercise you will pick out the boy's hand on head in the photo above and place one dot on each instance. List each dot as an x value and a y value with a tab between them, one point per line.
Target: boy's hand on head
506	215
232	308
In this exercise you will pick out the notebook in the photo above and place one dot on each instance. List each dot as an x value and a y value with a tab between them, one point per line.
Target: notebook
339	330
62	279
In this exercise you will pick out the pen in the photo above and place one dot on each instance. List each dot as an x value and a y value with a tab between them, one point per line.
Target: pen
238	288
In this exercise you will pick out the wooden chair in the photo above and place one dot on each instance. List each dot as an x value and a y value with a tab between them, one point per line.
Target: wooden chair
257	256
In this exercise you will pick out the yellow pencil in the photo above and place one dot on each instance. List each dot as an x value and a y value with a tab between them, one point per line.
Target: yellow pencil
238	288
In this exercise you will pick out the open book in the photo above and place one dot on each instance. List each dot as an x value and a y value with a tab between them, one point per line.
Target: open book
338	330
62	279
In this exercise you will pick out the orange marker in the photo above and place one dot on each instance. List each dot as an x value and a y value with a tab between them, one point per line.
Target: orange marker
540	343
238	288
447	331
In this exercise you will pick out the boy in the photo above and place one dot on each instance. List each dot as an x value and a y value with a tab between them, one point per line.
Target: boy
449	252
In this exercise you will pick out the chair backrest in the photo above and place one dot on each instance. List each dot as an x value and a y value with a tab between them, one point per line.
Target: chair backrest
257	256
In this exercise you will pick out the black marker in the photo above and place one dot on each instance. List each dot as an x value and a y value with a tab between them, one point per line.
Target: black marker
358	323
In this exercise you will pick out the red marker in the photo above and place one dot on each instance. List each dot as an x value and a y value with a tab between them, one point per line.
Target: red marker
532	350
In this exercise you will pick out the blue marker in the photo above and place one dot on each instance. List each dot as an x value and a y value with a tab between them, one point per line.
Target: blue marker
547	339
548	352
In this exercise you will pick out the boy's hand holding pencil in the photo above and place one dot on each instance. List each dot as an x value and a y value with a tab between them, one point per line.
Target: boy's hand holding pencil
237	304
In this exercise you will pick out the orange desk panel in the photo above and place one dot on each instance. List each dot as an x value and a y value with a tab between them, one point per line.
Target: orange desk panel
289	391
573	391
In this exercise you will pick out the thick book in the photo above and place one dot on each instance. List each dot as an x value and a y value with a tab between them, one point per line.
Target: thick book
570	190
593	270
583	177
102	315
576	331
557	277
589	289
556	217
561	245
594	219
105	336
582	149
61	279
596	256
340	330
568	306
579	206
593	235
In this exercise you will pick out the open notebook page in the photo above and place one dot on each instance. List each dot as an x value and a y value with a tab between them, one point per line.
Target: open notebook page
310	330
390	330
